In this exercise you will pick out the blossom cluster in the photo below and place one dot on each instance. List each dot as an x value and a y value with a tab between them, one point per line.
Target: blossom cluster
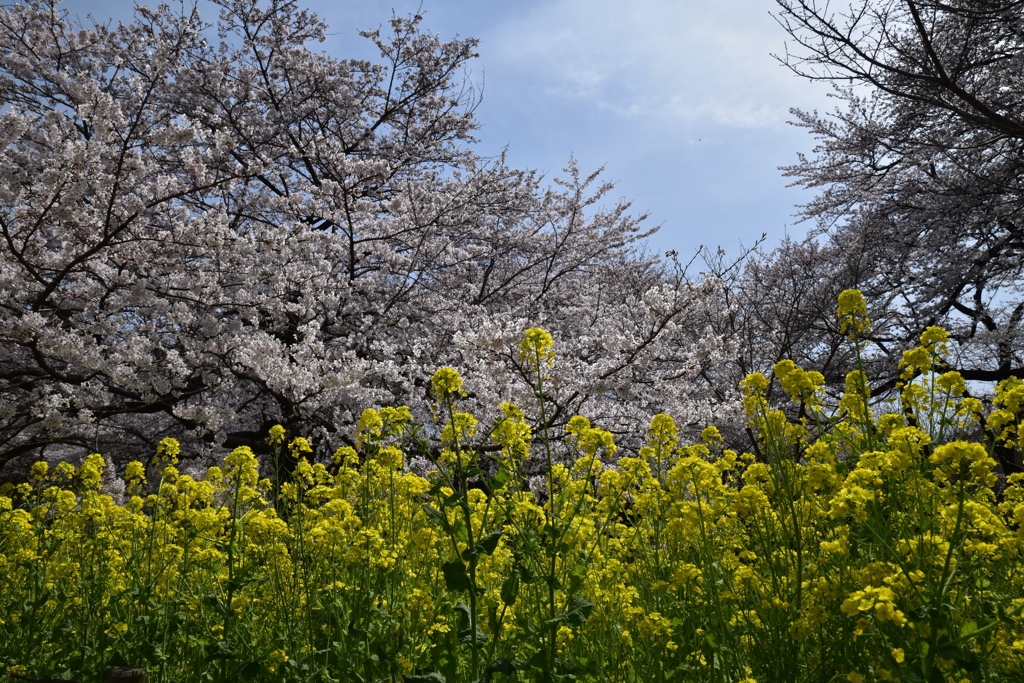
200	239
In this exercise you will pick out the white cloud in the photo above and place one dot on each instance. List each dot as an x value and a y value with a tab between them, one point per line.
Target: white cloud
684	62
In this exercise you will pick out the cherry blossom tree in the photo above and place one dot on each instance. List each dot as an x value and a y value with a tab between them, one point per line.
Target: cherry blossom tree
919	171
209	229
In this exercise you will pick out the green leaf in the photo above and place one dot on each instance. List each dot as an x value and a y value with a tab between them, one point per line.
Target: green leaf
466	626
485	546
499	480
435	515
576	613
577	577
244	580
459	530
221	649
526	573
463	610
466	636
488	543
250	671
1006	615
433	677
455	576
539	660
117	661
501	666
510	590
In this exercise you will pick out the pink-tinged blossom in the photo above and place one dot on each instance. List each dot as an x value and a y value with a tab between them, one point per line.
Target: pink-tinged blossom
206	238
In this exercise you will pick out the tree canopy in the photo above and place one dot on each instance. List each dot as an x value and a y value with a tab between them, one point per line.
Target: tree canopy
920	201
210	228
921	171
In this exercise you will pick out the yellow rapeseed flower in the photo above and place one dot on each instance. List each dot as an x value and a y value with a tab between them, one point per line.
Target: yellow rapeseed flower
446	382
298	446
709	435
390	458
39	470
170	448
277	433
754	386
91	471
802	386
577	425
461	429
934	336
853	313
952	382
513	433
370	426
955	456
536	347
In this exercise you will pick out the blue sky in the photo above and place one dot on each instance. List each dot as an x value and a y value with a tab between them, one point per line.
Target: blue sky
680	101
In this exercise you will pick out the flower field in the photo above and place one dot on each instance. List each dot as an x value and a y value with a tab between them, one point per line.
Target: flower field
852	545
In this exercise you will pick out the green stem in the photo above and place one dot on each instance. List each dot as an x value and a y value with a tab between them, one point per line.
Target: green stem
552	546
228	621
944	581
470	544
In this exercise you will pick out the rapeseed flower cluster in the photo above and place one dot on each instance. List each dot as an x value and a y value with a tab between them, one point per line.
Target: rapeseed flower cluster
865	549
853	314
536	347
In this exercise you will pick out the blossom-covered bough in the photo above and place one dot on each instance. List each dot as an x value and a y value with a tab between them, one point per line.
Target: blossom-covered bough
206	230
